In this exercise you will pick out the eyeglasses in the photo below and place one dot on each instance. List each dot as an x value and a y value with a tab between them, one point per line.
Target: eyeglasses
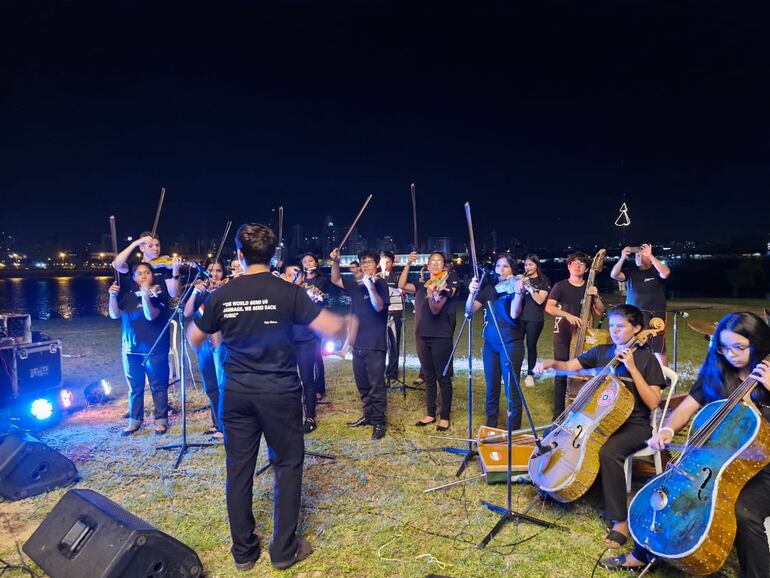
736	349
368	262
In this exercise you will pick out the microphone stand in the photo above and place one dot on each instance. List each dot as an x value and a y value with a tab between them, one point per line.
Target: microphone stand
183	446
402	385
507	514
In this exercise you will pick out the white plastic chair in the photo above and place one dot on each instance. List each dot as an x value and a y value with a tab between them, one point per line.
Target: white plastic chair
658	417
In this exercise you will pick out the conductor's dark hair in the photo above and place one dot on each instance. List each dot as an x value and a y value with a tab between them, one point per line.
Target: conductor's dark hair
257	243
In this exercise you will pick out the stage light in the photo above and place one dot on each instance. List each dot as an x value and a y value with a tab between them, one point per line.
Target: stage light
66	397
106	387
330	347
98	392
41	409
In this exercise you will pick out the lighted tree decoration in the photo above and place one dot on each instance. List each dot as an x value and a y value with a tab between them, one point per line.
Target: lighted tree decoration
623	219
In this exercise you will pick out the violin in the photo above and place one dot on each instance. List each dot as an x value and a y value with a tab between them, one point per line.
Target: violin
508	286
154	291
164	262
437	283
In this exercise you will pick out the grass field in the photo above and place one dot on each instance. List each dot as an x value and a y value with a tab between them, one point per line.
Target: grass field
365	513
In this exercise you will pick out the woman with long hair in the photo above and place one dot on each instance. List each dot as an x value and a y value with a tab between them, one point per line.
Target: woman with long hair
208	363
740	343
503	336
536	287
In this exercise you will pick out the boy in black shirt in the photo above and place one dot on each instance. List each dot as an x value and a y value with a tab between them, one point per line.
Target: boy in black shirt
261	392
564	303
646	289
369	304
395	313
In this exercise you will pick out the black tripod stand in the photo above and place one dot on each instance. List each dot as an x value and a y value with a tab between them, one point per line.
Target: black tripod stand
401	383
507	514
269	463
183	446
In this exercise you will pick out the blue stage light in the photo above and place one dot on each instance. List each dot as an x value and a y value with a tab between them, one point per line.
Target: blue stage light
106	387
330	347
41	409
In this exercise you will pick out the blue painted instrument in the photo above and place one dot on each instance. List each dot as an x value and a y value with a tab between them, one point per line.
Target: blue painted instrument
686	515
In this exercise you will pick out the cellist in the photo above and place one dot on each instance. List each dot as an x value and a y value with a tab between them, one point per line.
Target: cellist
642	375
740	342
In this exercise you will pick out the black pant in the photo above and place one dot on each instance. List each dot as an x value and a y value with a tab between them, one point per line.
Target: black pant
156	370
532	331
560	353
624	442
320	374
495	367
305	351
751	509
433	353
393	334
369	373
208	371
245	417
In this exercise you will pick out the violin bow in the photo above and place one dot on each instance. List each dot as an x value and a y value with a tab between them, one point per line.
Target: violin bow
157	213
114	235
472	242
355	222
414	216
279	252
222	242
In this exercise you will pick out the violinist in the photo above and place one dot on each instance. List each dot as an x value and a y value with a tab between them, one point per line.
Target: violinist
305	346
165	271
395	313
506	301
235	269
433	334
642	375
564	302
143	321
369	304
315	278
740	342
208	362
536	287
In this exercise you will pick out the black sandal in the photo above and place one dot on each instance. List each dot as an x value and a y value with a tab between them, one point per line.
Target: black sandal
424	423
617	537
619	563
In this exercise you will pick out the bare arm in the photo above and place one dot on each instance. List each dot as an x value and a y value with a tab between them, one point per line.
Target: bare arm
336	277
378	304
189	307
517	305
538	295
617	269
571	365
403	279
120	264
674	423
195	336
114	308
662	269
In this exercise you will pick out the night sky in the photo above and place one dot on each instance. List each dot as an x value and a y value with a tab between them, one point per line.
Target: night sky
543	116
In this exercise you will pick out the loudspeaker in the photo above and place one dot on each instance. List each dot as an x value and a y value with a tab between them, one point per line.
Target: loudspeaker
29	467
87	534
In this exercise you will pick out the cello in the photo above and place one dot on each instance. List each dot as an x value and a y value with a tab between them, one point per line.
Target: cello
570	464
686	515
586	336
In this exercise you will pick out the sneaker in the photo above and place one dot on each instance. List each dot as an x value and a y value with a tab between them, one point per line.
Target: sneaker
310	425
244	566
529	381
418	381
304	549
378	432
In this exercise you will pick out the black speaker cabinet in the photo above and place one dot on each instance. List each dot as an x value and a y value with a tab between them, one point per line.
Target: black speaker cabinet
88	535
29	467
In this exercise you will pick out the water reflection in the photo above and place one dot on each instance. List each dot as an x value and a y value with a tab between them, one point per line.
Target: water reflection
55	297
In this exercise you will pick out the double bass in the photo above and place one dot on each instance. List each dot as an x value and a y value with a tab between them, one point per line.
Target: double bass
571	463
586	336
686	515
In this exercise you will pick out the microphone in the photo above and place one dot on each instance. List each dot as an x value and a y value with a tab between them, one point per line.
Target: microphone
201	270
682	314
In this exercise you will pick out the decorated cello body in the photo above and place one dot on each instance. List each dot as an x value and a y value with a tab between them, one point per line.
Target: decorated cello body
686	515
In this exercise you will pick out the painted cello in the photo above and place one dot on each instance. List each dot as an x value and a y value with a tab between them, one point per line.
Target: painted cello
686	515
569	467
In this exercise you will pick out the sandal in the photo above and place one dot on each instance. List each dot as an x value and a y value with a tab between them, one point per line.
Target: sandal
443	427
617	537
160	430
130	430
422	423
619	563
211	431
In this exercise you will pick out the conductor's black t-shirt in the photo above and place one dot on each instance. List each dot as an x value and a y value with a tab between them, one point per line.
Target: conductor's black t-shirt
371	323
647	364
256	314
646	289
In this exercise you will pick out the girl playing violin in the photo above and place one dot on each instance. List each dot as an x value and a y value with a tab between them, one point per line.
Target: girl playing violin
505	299
641	373
433	334
143	320
536	287
740	342
208	362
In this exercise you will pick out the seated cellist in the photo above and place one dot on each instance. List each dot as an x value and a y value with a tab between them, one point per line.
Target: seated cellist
641	373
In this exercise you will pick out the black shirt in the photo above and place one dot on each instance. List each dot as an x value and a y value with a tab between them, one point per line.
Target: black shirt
530	310
428	324
570	299
256	315
646	363
321	283
371	323
501	304
645	289
139	334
